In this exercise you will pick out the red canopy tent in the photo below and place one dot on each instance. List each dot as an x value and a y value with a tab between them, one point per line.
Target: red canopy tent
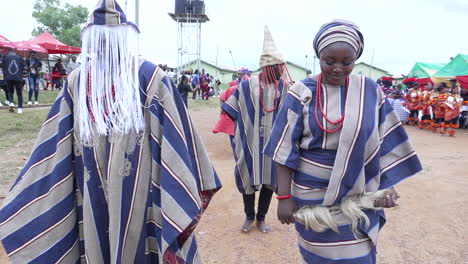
53	46
463	81
5	43
24	47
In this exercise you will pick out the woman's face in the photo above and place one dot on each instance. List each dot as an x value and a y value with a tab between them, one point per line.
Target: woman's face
337	62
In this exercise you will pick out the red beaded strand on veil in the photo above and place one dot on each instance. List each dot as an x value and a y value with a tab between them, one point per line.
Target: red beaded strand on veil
268	76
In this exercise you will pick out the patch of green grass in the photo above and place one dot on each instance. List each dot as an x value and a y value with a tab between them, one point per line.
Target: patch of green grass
10	170
197	105
17	136
15	128
224	86
45	97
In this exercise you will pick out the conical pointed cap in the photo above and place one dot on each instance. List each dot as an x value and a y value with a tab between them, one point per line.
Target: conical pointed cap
270	54
109	12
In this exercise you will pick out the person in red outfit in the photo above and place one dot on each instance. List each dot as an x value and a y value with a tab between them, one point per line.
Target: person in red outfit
412	101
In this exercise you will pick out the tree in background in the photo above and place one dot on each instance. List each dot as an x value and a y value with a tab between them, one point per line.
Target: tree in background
61	21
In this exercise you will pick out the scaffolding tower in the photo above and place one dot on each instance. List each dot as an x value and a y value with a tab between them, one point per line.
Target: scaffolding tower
188	25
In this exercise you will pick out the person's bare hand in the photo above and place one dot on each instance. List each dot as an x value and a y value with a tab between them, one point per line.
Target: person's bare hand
389	200
286	210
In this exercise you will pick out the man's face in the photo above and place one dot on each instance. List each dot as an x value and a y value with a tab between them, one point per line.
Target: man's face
74	59
278	71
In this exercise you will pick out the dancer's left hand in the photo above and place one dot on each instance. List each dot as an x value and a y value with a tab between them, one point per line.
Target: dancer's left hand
389	200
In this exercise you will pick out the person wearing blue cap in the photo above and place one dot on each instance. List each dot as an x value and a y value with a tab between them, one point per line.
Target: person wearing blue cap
119	173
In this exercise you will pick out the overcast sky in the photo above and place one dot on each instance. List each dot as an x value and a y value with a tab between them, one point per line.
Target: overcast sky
397	33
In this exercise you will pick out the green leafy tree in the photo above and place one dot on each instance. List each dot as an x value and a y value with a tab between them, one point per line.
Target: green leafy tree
62	21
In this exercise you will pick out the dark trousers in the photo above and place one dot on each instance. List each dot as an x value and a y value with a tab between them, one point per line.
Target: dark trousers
205	93
57	83
263	204
196	91
453	121
33	87
18	86
414	113
426	117
464	119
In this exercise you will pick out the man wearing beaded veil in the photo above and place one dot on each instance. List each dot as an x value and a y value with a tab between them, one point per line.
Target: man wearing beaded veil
340	149
253	107
118	174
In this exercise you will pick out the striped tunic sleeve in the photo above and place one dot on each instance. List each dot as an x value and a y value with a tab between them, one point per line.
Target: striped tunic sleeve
183	180
398	159
231	105
283	145
38	217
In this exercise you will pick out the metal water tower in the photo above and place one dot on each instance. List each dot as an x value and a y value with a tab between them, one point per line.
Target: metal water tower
189	16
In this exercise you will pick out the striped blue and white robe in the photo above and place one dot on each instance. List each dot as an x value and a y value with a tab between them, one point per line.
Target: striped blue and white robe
252	131
369	153
132	198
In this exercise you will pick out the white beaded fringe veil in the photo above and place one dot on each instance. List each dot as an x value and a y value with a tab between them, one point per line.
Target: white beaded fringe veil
109	96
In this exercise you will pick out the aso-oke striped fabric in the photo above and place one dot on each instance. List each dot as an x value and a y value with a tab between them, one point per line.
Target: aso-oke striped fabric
127	199
253	129
339	31
372	152
270	53
109	12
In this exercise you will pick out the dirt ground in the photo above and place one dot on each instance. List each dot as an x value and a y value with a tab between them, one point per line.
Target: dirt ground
429	226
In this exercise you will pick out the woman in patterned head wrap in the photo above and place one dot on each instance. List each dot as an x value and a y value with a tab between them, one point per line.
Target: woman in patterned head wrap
340	149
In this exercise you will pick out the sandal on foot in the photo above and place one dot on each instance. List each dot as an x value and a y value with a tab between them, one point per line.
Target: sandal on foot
264	227
247	226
